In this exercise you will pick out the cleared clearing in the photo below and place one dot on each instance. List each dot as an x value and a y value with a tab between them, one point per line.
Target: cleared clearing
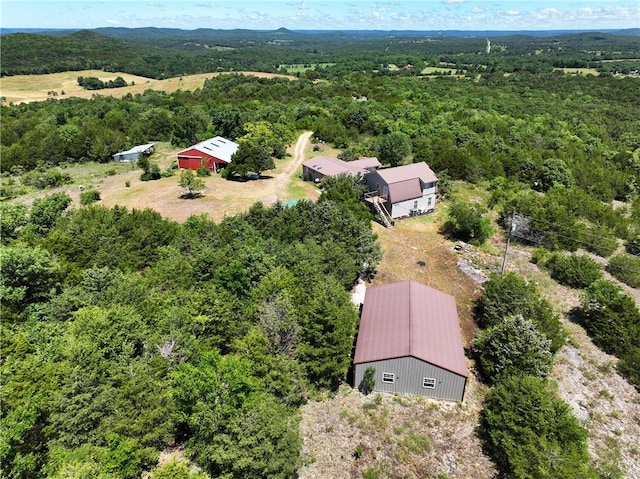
29	88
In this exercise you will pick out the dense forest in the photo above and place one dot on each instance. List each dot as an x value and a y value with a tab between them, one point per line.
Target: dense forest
125	333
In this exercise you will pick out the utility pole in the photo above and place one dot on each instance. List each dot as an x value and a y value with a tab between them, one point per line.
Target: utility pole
512	228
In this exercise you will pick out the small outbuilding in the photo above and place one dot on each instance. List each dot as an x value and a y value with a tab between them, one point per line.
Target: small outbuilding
134	153
319	167
213	153
410	335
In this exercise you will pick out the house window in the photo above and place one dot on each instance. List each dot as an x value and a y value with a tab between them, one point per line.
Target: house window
388	378
428	383
415	204
429	201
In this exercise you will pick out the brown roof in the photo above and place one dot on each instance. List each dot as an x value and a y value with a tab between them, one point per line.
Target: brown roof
405	190
330	166
410	319
408	172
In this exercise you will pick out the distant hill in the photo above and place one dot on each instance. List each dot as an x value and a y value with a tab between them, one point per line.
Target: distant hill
167	52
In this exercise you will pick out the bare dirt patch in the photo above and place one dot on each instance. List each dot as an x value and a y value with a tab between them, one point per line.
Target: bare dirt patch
28	88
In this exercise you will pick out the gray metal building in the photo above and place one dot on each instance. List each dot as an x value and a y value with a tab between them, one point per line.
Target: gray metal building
410	334
134	153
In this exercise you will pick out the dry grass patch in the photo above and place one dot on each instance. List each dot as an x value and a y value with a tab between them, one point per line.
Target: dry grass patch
352	435
28	88
220	199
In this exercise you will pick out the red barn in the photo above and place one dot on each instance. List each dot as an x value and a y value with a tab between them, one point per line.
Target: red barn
213	153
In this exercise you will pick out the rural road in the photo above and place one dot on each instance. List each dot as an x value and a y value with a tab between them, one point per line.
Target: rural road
281	180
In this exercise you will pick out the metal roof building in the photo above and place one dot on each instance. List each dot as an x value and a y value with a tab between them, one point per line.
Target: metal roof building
316	168
212	153
410	334
405	190
134	153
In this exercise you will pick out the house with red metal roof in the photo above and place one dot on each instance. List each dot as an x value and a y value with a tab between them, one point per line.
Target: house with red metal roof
410	334
402	191
213	153
318	167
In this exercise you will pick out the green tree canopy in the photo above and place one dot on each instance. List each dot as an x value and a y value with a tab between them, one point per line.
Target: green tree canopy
510	295
191	183
394	148
513	347
530	432
466	222
258	147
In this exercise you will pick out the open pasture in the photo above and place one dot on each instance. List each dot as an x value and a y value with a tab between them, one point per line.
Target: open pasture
29	88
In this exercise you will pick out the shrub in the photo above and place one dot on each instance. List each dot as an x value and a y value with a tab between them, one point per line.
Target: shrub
203	171
610	317
600	241
573	270
509	295
530	432
626	268
513	347
45	178
151	173
89	196
466	222
633	246
368	382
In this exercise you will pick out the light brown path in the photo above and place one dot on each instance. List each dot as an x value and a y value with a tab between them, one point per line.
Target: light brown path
278	184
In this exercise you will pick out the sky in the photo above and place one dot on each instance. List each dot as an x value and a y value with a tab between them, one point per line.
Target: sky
325	14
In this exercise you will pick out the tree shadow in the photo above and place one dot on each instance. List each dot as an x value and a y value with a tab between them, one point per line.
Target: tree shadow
191	196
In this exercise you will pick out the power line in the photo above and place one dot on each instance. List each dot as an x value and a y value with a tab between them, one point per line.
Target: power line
583	233
540	242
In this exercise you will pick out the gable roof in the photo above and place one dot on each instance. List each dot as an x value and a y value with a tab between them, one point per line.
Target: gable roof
367	162
405	190
216	147
408	172
136	149
410	319
329	166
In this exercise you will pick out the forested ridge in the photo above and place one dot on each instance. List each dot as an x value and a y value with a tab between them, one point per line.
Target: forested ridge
163	53
125	333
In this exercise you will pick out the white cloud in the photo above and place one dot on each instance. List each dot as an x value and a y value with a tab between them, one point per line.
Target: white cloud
513	12
449	2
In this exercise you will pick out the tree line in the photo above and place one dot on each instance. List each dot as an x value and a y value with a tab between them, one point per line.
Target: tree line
94	83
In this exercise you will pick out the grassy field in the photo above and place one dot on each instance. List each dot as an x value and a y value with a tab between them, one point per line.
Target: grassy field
579	71
438	70
28	88
303	67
